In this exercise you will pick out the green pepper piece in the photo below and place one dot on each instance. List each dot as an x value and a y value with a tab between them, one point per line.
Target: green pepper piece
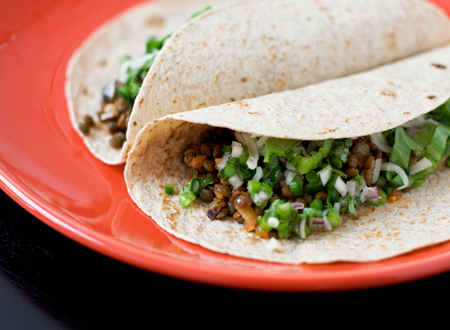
304	164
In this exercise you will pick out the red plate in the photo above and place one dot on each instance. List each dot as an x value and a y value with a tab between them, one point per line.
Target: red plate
47	169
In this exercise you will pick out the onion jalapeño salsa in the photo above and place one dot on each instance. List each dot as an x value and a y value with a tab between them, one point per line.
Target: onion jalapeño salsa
279	187
118	96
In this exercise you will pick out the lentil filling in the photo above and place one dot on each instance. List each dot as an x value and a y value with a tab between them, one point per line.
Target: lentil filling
114	114
279	188
120	95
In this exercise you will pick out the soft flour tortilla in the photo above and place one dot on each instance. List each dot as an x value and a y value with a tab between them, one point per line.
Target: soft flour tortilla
245	49
357	105
96	62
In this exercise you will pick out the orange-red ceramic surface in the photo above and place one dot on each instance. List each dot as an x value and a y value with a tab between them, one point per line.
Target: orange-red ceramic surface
47	169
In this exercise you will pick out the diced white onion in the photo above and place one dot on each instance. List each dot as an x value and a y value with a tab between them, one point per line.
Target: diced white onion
133	64
273	244
236	149
258	174
380	141
253	153
298	206
369	193
273	222
316	224
289	175
235	181
337	206
302	228
341	187
240	137
325	175
352	188
221	164
376	170
260	197
326	223
261	141
421	165
395	168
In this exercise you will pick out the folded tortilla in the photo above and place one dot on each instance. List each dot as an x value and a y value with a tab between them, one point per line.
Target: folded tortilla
244	49
357	105
97	61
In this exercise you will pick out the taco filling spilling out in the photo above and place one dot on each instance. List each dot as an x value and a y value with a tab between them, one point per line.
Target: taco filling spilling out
119	95
279	187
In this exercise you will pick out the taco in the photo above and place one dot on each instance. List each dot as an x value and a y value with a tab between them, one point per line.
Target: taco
231	51
349	169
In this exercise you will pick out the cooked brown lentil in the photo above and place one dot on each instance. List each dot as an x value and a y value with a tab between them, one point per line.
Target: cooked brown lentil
224	201
114	114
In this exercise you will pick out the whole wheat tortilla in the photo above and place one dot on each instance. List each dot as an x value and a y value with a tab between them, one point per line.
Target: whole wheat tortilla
244	49
357	105
96	62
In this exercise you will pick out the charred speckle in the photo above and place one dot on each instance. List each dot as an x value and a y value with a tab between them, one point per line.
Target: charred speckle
213	213
439	66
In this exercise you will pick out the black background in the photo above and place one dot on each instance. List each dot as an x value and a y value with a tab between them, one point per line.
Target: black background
48	281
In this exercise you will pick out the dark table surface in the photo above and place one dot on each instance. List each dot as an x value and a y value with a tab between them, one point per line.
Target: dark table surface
48	281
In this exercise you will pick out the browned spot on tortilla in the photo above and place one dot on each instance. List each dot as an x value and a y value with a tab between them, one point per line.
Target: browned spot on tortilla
393	84
306	72
102	62
391	41
155	21
167	79
244	79
388	92
202	104
377	234
174	101
244	42
134	123
280	84
346	120
85	91
242	104
317	60
232	99
439	66
406	113
328	131
431	97
141	101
